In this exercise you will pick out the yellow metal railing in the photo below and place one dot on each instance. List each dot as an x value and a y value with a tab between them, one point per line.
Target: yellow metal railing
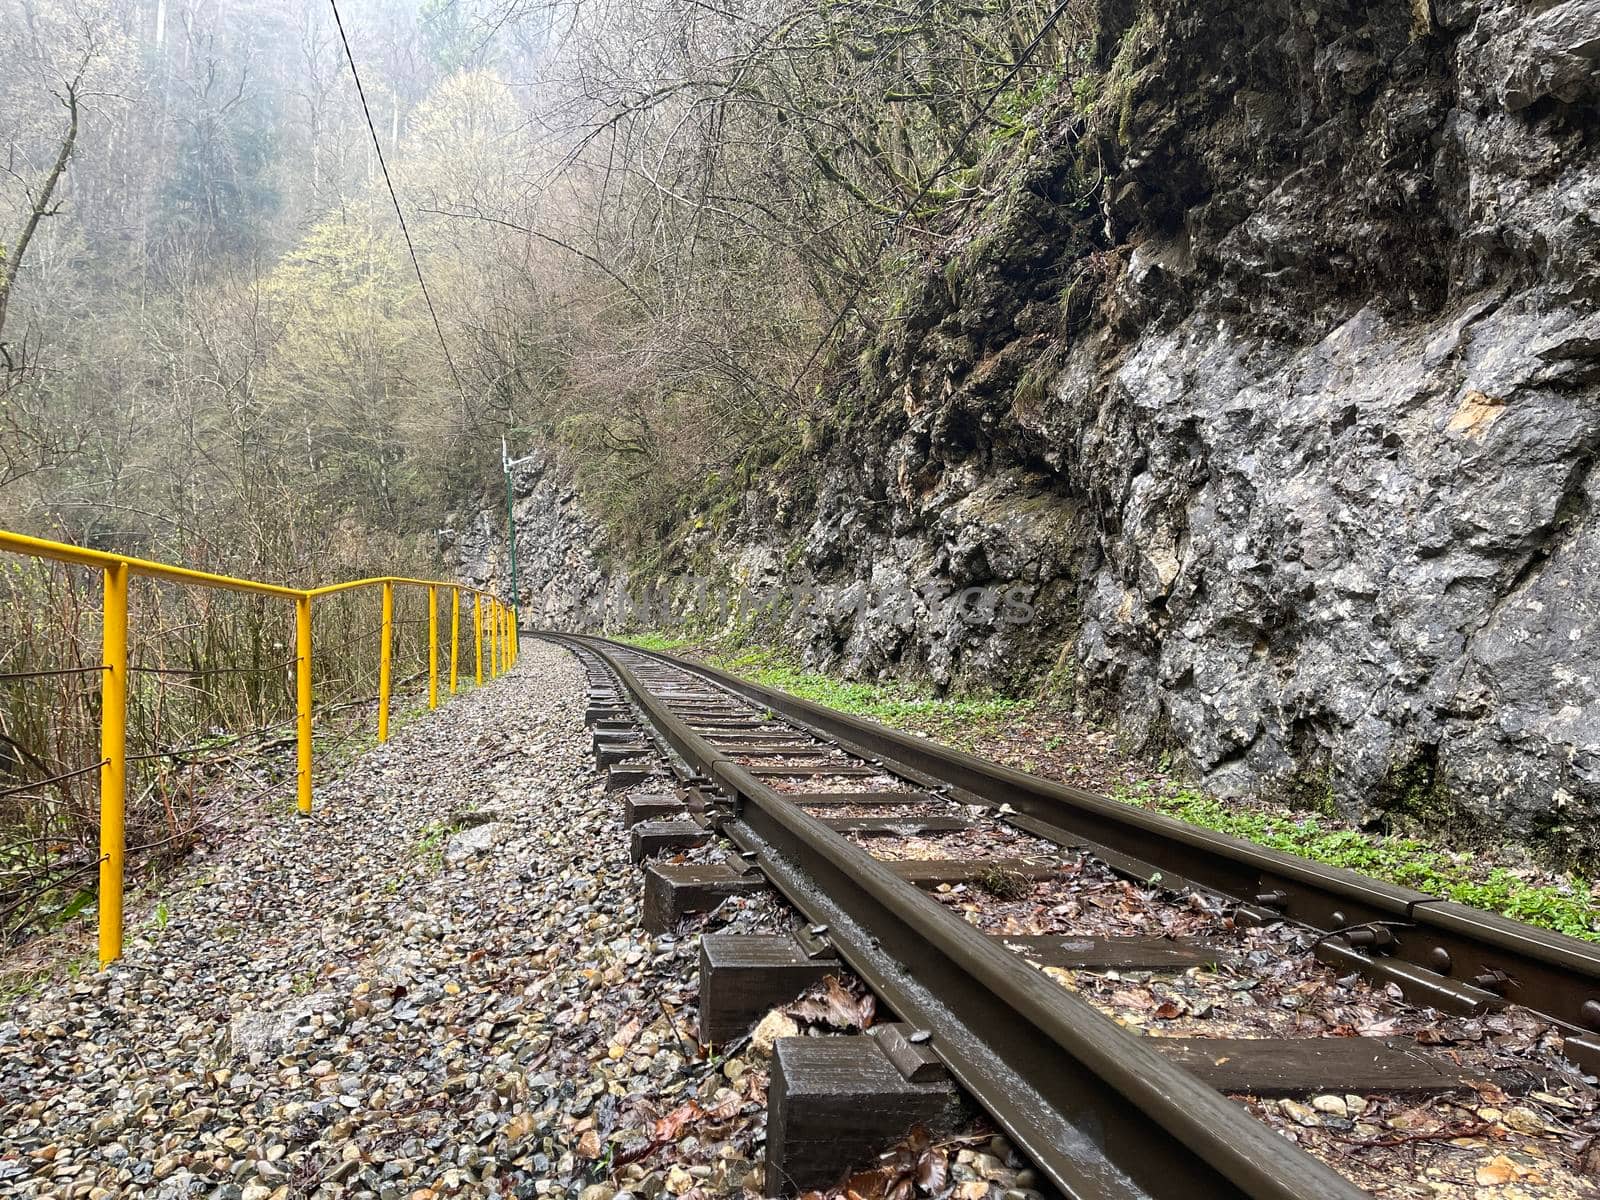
492	622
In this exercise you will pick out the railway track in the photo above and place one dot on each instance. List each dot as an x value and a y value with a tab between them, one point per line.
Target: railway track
902	854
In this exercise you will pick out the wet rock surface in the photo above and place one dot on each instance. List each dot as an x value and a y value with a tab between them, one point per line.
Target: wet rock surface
436	986
1271	384
563	572
1333	418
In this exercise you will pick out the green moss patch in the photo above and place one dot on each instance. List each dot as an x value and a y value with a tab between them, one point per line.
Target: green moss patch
891	701
1567	907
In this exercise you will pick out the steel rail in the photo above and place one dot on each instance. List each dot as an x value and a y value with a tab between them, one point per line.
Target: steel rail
1444	945
1101	1113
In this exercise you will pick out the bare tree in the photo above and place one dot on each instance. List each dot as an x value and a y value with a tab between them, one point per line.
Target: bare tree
42	205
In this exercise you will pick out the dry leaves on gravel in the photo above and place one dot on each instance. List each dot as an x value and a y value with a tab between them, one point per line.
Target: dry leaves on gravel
835	1005
918	1166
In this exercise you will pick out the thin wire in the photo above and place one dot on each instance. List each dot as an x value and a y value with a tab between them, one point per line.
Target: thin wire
9	675
62	778
181	751
282	666
417	266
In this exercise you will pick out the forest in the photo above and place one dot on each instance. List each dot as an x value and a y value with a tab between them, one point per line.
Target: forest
1251	350
641	228
276	278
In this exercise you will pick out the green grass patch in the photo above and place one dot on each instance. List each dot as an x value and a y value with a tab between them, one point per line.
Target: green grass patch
902	704
1568	908
960	721
664	642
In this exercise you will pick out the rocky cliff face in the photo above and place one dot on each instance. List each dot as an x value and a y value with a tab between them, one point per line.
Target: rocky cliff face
565	570
1273	384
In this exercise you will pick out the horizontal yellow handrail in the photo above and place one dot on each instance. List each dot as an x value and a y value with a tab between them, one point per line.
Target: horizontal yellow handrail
331	588
81	556
117	568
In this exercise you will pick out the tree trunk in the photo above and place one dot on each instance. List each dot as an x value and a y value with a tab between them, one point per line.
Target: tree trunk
41	204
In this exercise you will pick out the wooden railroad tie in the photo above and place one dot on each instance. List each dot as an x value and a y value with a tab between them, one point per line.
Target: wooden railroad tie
931	873
1112	954
873	827
865	799
610	748
743	976
778	771
837	1102
628	774
673	890
657	806
1284	1067
649	838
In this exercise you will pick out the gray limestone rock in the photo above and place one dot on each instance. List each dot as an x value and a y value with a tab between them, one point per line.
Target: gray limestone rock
1281	442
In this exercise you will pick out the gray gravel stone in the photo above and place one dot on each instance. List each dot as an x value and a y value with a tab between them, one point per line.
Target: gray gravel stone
480	839
335	1009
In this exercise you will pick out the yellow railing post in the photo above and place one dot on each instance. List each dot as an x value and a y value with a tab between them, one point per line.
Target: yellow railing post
302	697
384	652
495	621
114	758
433	646
477	634
455	634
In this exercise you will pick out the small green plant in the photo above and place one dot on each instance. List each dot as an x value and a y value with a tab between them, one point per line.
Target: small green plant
82	900
1004	884
163	914
1086	90
430	844
1569	908
431	839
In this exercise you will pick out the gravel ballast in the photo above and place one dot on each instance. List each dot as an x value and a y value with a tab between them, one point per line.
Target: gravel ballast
435	986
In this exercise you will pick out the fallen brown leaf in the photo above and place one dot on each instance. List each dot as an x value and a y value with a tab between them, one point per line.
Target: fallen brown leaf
670	1126
1501	1169
933	1167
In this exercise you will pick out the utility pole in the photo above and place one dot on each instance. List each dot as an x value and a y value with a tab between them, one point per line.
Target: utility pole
506	465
